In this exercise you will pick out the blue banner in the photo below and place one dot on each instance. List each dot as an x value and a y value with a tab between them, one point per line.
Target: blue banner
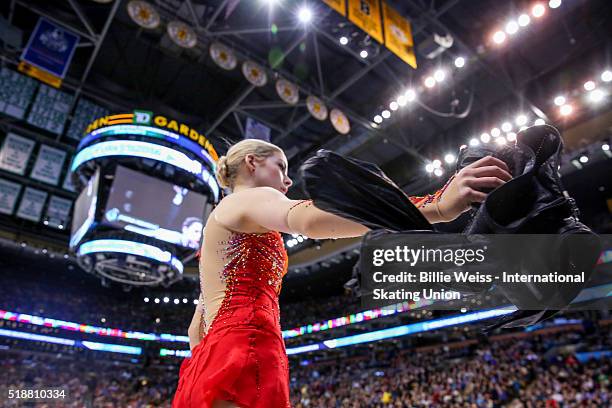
50	48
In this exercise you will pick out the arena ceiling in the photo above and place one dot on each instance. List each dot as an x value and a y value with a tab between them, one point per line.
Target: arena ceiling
122	66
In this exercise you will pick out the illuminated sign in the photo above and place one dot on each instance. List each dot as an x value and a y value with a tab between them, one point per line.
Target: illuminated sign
131	248
140	117
146	150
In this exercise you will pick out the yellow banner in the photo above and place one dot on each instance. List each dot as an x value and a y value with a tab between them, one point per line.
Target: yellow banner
398	35
365	14
338	5
39	74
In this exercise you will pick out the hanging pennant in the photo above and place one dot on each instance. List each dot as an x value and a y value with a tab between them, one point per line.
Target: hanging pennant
287	91
254	73
339	121
181	34
316	107
366	15
398	35
223	56
143	14
338	5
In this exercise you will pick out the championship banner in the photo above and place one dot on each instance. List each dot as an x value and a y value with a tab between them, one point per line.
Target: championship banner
58	211
50	49
256	130
31	205
48	166
338	5
398	35
50	109
15	153
365	14
8	196
16	92
67	185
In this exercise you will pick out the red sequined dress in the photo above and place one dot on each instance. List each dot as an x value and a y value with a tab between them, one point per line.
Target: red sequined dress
242	357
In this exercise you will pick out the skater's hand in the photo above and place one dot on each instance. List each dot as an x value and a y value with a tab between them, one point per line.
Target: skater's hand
470	185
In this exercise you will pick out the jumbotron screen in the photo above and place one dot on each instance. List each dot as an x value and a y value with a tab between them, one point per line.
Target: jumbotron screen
155	208
84	210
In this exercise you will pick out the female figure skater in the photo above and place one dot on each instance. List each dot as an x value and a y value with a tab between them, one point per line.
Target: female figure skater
238	354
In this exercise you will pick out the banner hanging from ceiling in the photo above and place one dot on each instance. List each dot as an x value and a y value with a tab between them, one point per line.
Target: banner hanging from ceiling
398	35
48	166
31	205
256	130
365	14
49	49
58	211
8	196
15	153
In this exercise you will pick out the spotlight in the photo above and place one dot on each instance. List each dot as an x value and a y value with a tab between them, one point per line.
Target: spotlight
605	147
559	100
596	96
566	110
485	138
439	75
386	114
304	14
512	27
500	140
430	82
539	122
438	172
410	95
195	301
146	300
511	137
166	299
521	120
538	10
393	106
583	159
589	85
459	62
474	142
184	300
553	4
606	76
343	40
495	132
450	158
176	301
436	164
378	119
429	168
499	37
401	100
23	244
363	54
156	300
103	320
46	222
523	20
506	126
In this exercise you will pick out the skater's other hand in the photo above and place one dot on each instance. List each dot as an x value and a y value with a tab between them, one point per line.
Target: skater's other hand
471	185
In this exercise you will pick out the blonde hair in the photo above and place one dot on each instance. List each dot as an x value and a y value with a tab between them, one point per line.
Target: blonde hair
228	165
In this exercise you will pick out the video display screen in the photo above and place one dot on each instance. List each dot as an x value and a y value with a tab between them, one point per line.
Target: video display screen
84	210
155	208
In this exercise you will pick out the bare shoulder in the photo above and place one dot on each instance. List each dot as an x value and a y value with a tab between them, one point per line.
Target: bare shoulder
235	210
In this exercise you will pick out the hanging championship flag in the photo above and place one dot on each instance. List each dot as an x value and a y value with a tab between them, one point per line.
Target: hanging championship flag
398	35
32	203
338	5
366	15
316	107
48	53
15	153
181	34
287	91
339	121
143	14
48	165
8	196
223	56
256	130
254	73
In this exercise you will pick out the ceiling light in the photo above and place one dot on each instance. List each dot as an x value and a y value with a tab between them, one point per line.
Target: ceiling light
429	168
583	159
500	140
499	37
386	114
436	164
596	96
393	106
511	137
521	120
439	75
438	172
559	100
474	142
589	85
363	54
512	27
506	126
401	100
410	95
538	10
523	20
606	76
343	40
304	14
450	158
605	147
378	119
485	137
459	62
553	4
430	82
495	132
566	109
